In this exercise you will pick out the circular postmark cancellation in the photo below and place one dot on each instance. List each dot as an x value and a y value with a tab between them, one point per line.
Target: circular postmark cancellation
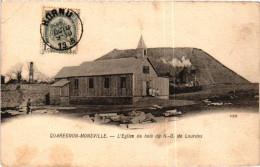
61	29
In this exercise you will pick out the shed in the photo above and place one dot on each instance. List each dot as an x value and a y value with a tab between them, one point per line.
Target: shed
59	92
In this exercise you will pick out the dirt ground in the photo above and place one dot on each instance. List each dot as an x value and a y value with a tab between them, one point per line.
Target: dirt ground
200	102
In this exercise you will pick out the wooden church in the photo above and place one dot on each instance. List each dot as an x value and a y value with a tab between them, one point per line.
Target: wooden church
113	81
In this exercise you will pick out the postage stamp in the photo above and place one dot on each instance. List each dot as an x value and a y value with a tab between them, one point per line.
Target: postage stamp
61	30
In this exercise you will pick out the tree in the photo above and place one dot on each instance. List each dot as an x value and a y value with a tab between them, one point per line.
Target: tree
15	72
17	75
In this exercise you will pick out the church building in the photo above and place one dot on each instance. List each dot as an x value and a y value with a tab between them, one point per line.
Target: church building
112	81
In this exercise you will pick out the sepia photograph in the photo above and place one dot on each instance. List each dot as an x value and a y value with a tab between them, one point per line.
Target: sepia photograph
135	83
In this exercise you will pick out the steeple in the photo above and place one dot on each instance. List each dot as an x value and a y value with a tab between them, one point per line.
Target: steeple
141	48
141	44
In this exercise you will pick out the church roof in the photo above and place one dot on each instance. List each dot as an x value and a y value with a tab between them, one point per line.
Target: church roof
102	67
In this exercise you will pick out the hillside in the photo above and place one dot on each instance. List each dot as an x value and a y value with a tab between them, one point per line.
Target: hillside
167	60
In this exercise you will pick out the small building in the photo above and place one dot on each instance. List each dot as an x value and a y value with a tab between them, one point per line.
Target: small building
113	81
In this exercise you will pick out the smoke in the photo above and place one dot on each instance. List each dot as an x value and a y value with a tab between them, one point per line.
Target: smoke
178	63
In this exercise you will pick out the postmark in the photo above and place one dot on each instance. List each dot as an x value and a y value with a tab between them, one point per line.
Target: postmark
61	30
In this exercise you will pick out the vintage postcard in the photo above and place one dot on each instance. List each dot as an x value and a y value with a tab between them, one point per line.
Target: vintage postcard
158	83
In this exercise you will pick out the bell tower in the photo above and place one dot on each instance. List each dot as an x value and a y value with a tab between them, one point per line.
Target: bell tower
141	49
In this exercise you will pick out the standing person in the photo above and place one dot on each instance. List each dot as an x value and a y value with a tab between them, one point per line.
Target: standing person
28	106
157	92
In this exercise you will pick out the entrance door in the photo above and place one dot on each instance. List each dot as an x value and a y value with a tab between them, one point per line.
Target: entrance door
47	99
147	88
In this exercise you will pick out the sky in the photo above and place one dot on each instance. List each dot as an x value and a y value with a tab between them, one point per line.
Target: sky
228	31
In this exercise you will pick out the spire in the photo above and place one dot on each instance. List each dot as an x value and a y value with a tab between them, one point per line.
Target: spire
141	44
141	49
